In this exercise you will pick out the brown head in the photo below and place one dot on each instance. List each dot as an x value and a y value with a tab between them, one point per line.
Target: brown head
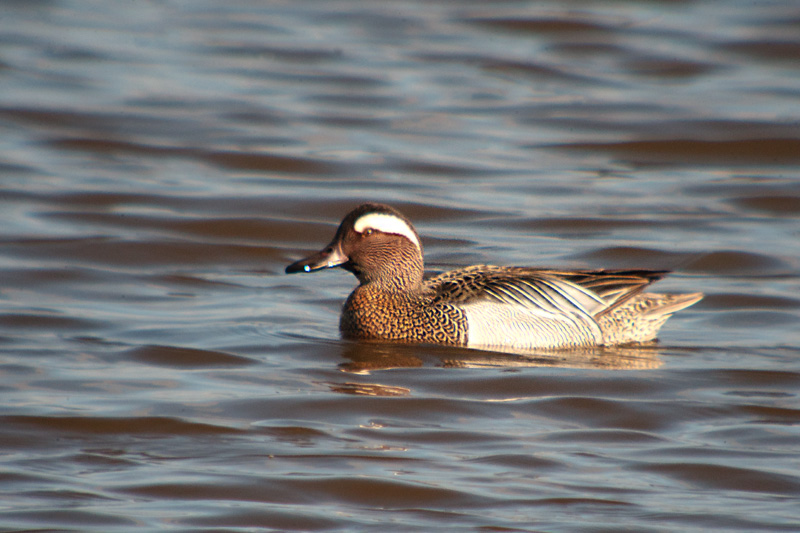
377	244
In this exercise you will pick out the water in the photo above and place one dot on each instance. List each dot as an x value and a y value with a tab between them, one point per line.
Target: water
161	163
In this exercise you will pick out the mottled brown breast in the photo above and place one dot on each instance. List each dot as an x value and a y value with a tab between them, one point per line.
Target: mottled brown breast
370	313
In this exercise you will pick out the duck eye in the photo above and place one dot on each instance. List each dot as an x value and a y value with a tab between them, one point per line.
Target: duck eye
367	232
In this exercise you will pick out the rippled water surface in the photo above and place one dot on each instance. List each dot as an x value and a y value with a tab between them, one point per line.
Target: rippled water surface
161	163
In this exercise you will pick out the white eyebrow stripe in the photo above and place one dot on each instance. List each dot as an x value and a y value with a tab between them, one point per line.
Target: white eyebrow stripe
388	224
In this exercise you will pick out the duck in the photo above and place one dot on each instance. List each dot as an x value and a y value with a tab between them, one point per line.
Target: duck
482	306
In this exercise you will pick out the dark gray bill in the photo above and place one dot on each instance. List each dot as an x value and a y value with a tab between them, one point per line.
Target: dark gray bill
331	256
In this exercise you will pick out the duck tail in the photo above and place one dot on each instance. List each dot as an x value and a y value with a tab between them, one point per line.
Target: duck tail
639	319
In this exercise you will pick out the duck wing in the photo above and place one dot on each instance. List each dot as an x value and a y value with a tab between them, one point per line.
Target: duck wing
590	292
614	287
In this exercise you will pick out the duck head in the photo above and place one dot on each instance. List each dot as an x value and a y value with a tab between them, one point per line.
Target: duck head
377	244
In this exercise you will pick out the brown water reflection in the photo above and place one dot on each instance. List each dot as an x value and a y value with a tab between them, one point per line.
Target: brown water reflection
160	164
367	356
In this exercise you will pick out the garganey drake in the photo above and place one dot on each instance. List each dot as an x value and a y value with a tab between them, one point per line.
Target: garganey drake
483	306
